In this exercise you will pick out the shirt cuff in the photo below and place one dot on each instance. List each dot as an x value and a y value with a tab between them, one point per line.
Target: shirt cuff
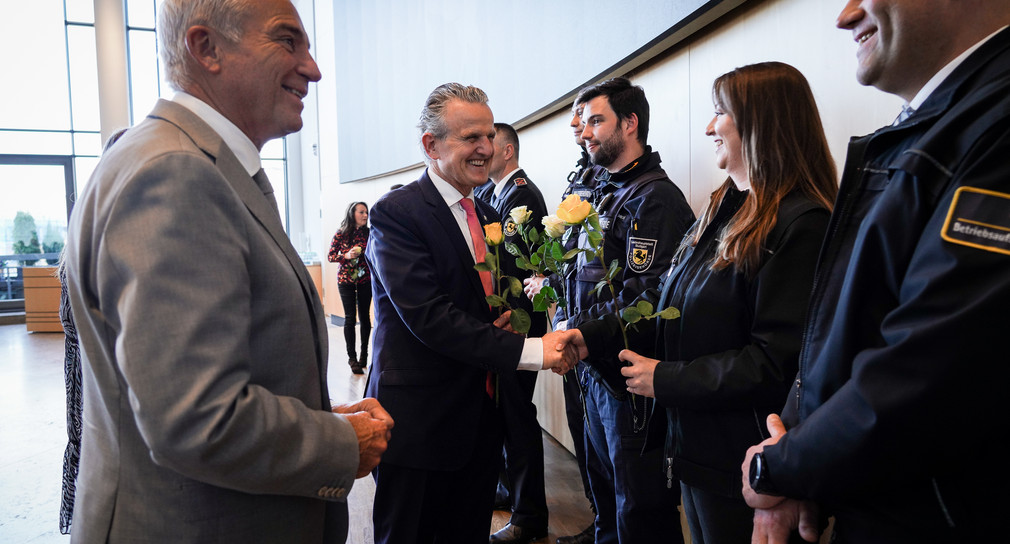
532	357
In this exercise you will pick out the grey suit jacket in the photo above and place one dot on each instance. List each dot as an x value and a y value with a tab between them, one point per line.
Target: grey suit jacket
206	410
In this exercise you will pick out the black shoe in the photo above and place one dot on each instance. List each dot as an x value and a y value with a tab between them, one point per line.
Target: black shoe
363	361
502	501
587	536
352	361
357	369
514	534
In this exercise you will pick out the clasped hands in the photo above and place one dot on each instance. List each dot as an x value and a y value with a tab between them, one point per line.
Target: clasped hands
373	426
559	355
775	517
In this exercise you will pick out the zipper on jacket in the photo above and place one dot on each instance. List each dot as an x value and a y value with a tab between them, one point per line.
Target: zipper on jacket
669	472
942	504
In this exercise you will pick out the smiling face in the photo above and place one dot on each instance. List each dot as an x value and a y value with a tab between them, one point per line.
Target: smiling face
605	135
577	125
361	215
728	147
463	156
901	43
266	74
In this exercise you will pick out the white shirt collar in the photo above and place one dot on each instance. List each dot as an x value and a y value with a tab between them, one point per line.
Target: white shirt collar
236	140
940	76
448	192
499	187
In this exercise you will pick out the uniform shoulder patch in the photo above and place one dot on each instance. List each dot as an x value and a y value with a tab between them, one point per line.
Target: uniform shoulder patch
520	182
641	253
979	218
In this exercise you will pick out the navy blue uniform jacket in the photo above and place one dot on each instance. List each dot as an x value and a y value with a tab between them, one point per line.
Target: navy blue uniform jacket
434	341
898	417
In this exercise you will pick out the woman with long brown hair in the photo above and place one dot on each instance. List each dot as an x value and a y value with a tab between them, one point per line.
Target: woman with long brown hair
354	282
741	279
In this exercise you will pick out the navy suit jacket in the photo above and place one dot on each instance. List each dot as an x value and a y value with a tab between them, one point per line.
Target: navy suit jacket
434	341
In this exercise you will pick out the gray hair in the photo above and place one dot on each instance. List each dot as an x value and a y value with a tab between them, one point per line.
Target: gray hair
177	16
433	115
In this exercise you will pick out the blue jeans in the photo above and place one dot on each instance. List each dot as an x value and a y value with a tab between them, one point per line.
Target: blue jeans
633	504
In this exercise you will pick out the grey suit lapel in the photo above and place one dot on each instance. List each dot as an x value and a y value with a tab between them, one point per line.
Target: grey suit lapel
258	205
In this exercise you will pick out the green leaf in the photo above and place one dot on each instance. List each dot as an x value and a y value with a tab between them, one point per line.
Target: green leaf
631	314
549	292
515	286
495	301
533	235
615	267
644	307
556	252
540	303
520	320
570	254
595	238
483	267
513	249
535	259
669	313
594	221
599	286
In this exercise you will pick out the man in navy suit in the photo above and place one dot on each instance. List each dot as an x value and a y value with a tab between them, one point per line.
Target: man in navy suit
523	484
437	344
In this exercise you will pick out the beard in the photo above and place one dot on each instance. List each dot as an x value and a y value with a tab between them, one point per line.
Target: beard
609	150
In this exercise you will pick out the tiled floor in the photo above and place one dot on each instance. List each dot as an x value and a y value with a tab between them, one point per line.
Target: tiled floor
33	436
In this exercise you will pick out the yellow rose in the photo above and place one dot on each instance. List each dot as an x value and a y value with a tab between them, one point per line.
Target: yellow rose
492	234
553	226
573	209
520	214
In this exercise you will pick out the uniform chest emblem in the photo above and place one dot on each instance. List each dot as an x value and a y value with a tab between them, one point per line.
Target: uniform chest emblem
511	229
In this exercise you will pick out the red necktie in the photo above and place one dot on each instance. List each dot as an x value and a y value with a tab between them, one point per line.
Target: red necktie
480	251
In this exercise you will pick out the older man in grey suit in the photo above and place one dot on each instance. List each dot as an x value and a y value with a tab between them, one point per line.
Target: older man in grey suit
206	411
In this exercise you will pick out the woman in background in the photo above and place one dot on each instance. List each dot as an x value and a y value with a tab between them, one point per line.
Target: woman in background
742	280
354	281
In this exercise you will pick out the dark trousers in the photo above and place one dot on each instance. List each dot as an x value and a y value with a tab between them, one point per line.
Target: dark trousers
357	299
575	413
415	505
716	519
524	450
633	504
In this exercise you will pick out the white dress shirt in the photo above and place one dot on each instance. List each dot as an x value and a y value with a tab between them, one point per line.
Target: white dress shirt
532	357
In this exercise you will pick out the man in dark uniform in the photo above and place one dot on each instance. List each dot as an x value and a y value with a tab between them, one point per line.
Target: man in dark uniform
895	417
580	184
524	448
644	216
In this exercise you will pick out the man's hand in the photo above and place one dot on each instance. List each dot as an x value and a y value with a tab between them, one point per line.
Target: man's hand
503	322
559	355
533	284
373	426
639	374
754	499
774	525
573	338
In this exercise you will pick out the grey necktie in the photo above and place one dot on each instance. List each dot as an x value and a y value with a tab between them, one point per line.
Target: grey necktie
261	179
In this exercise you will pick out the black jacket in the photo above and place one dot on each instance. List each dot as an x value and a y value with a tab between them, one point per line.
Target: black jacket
519	191
897	419
644	217
731	356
